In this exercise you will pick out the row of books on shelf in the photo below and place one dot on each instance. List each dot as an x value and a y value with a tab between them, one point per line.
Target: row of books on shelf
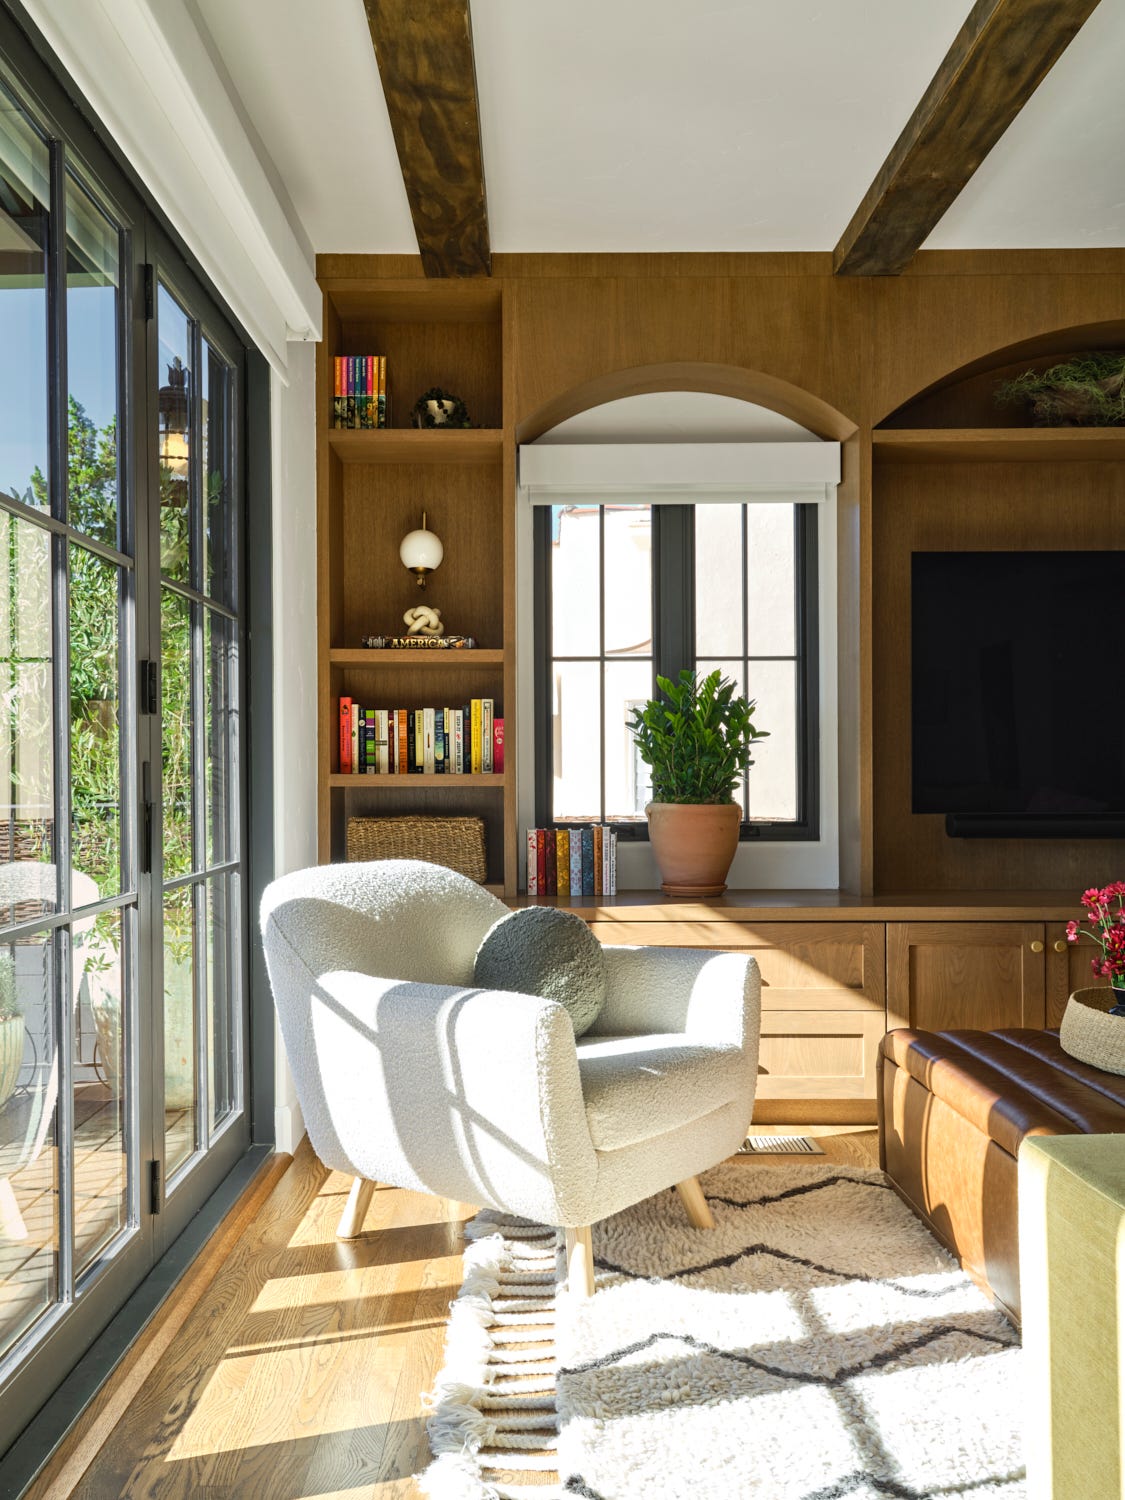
359	392
429	741
572	861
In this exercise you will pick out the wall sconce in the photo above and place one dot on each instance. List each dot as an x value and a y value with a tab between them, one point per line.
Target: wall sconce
173	420
421	552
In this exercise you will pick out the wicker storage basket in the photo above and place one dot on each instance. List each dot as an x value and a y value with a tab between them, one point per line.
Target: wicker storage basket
457	843
1089	1033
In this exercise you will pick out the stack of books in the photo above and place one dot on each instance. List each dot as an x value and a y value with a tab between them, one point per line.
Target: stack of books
359	392
425	741
572	861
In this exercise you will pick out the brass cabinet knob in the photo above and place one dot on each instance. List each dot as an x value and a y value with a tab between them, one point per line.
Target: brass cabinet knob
1061	945
1037	947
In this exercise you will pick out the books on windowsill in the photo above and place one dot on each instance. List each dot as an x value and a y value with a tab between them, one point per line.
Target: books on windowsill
359	391
572	861
466	741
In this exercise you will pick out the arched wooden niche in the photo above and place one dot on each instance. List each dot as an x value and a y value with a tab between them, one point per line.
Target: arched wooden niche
966	396
720	380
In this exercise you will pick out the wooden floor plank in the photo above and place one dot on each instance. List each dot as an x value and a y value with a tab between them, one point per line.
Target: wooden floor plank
297	1371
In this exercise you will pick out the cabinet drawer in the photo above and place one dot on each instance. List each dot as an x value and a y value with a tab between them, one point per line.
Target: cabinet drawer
818	1054
813	966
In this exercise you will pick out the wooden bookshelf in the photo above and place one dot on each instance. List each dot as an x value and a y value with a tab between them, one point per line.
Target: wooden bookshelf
999	445
372	488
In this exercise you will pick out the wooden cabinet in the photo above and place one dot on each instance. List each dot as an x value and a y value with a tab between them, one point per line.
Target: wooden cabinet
373	487
944	976
823	1007
1068	969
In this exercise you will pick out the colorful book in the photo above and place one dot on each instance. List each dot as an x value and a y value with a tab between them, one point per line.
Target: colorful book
597	832
575	840
382	741
381	397
563	853
541	860
607	845
587	861
475	740
612	864
486	736
402	759
550	841
428	741
345	736
370	742
532	863
497	745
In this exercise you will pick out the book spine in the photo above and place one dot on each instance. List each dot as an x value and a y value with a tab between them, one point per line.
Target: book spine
382	758
459	741
428	741
575	839
345	736
354	733
498	746
486	707
370	401
339	393
371	741
475	721
587	861
349	378
392	742
541	860
439	741
419	762
563	848
597	891
402	754
613	865
532	864
410	741
607	844
382	397
552	861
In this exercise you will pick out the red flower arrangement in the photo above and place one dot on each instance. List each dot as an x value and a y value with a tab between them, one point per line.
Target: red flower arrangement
1105	913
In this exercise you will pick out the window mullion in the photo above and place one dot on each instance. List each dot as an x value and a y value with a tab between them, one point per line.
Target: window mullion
673	587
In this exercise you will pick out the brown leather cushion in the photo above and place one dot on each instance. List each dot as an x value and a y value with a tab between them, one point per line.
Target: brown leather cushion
1011	1084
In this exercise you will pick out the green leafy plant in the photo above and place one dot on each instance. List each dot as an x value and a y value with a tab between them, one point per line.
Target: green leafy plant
1088	391
696	737
10	1007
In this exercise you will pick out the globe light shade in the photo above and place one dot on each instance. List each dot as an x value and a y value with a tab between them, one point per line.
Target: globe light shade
421	552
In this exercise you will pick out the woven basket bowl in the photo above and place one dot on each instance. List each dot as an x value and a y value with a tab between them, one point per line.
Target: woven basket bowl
1089	1033
457	843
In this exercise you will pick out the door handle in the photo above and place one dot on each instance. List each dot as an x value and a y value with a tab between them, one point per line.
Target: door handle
1061	945
1037	946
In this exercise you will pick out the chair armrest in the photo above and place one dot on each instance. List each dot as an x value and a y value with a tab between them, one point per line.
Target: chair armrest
710	997
470	1094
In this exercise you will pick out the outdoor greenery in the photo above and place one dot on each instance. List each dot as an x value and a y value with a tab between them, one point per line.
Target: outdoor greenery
696	738
10	1006
95	584
1087	391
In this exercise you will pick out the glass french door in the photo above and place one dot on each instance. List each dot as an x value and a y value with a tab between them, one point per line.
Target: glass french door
122	951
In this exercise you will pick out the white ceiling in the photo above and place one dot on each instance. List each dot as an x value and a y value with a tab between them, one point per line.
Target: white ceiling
654	125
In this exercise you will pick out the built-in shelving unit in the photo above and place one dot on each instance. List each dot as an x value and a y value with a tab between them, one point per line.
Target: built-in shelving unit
373	487
999	445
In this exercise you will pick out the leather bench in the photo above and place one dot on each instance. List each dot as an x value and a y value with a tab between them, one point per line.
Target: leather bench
953	1109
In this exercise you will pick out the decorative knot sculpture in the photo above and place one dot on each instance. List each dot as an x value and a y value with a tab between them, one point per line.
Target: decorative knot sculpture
424	621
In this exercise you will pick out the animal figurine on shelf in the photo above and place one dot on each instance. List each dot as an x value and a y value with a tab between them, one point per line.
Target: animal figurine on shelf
424	621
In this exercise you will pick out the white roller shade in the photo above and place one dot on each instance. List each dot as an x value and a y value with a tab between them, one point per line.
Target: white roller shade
678	473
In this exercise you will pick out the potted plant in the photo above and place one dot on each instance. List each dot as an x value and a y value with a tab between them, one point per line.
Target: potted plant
1091	1027
696	738
11	1029
1087	391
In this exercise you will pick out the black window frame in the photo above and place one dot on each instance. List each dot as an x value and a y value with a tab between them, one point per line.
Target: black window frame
673	648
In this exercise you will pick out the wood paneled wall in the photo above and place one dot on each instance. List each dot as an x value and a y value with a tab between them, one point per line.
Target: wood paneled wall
842	356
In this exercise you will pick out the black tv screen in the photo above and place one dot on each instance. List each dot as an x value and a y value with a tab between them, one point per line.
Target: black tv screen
1017	707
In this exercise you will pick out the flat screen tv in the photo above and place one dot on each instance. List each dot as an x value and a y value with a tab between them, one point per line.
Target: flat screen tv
1018	714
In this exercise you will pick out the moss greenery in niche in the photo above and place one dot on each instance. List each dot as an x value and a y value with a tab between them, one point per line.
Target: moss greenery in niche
1087	391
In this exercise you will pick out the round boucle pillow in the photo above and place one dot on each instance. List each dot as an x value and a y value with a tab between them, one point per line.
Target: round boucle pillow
543	951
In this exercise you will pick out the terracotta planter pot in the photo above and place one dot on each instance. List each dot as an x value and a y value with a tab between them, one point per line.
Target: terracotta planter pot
693	845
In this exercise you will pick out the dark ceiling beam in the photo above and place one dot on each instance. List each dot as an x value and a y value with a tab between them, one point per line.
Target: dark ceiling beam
999	58
425	56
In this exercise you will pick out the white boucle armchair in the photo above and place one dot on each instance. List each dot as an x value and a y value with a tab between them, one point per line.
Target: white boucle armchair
409	1075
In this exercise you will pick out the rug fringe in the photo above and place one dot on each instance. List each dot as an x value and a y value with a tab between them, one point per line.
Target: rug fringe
492	1405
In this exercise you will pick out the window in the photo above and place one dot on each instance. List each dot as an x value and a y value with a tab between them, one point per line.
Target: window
122	821
626	592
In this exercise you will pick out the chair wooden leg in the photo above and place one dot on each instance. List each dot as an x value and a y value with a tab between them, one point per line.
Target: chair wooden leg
580	1261
355	1210
695	1204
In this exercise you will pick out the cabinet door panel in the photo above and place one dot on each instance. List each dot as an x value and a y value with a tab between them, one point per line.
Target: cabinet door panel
814	966
1068	969
818	1055
947	976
